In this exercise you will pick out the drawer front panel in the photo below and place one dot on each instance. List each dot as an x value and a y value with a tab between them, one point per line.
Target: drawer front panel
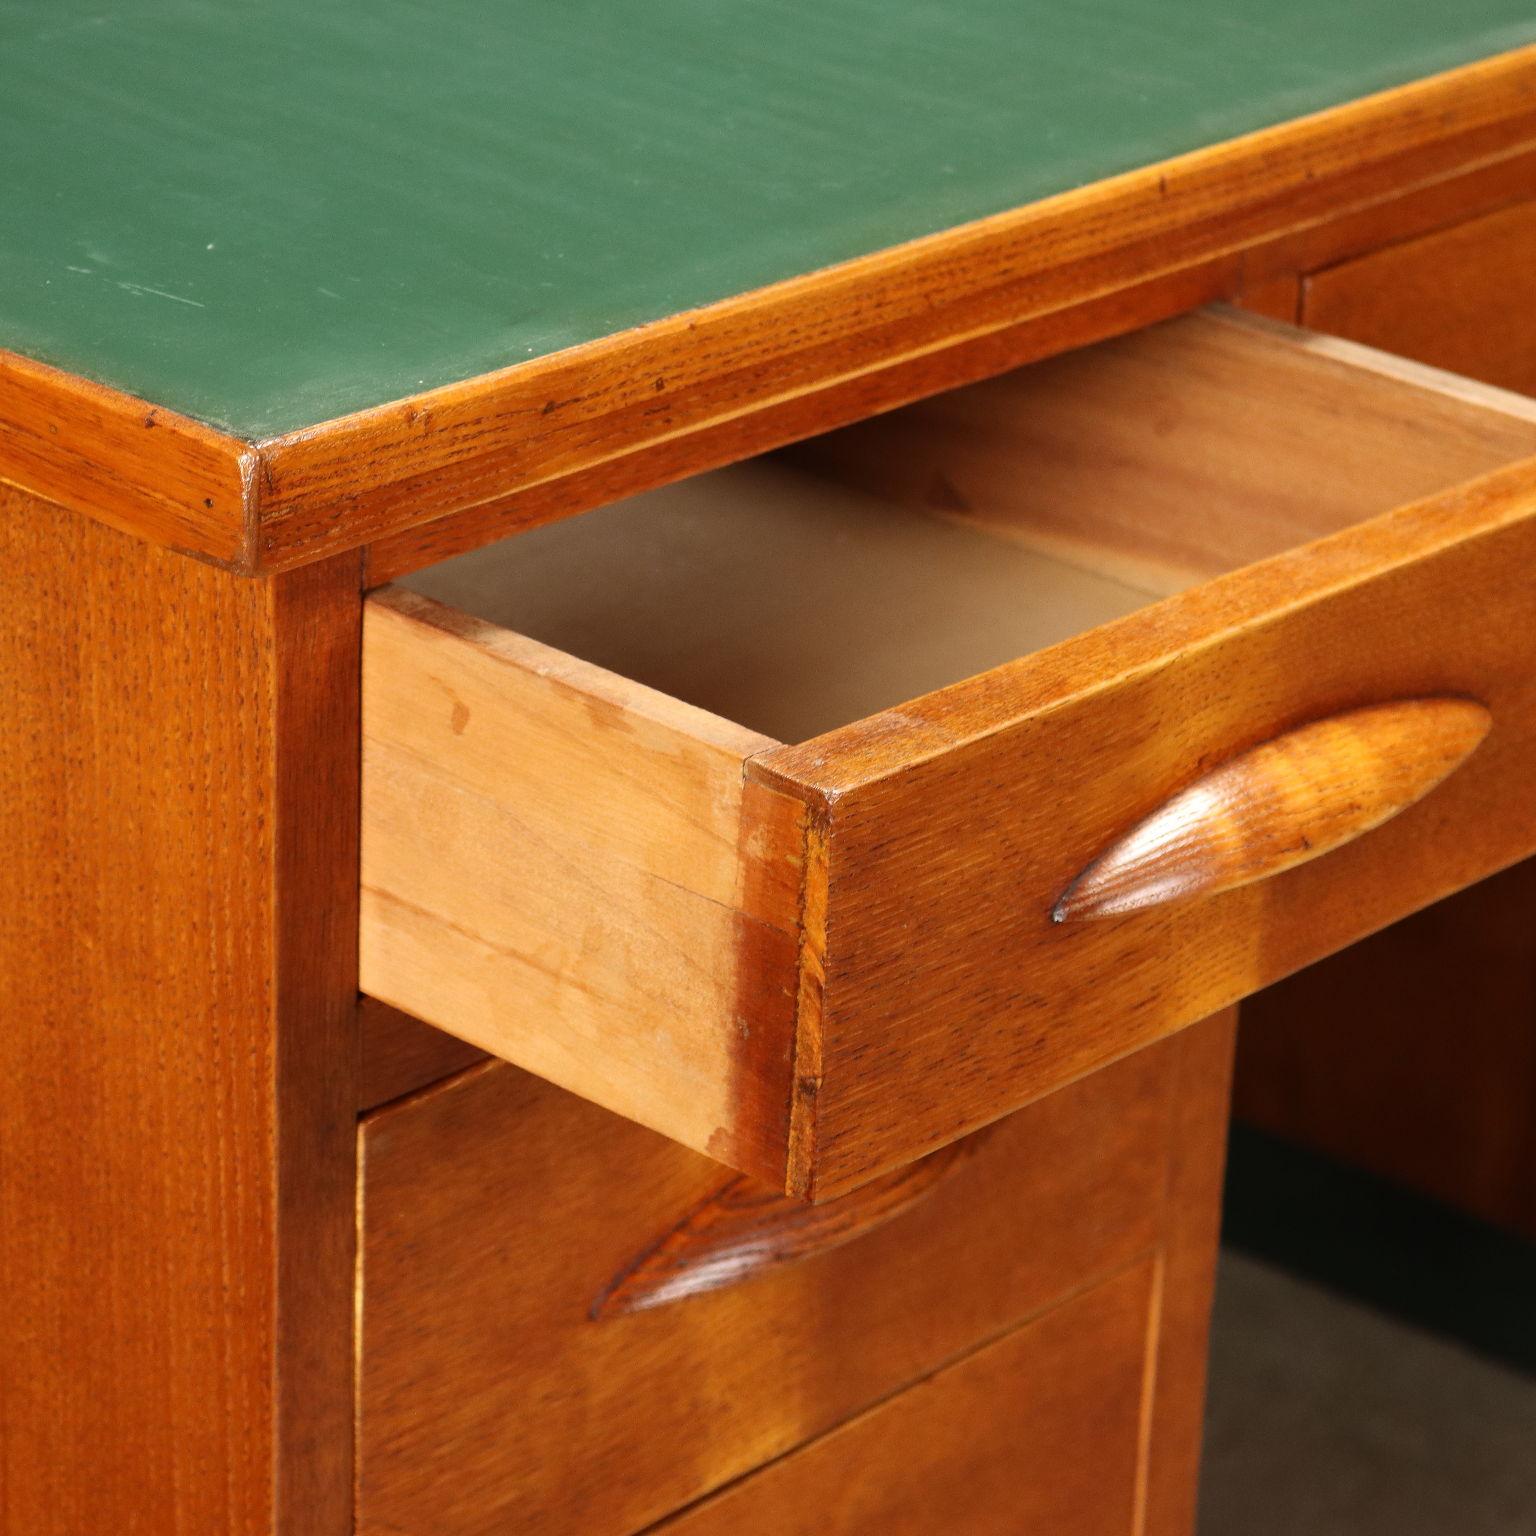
940	990
1038	1432
498	1212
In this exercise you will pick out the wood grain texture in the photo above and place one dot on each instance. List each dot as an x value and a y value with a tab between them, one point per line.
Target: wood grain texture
1456	298
779	599
314	624
1036	1432
1172	455
797	416
936	838
496	1207
1175	1423
400	1054
969	1466
558	868
746	1228
1439	202
123	461
177	1092
945	995
1280	804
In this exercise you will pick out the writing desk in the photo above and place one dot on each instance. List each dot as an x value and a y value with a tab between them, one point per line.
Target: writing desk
863	1004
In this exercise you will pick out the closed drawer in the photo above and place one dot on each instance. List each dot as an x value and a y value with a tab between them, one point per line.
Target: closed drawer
1038	1432
515	1375
1082	668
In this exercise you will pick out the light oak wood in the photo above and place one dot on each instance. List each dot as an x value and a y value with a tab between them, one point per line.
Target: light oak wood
1036	1432
853	961
178	801
1457	298
778	599
496	1207
1177	453
1280	804
588	425
558	863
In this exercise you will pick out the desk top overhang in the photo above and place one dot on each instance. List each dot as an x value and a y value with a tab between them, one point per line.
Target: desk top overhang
278	280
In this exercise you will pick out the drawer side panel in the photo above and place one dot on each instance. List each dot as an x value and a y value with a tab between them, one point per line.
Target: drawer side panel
568	871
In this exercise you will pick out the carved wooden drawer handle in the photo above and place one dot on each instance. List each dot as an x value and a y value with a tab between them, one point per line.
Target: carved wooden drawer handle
744	1229
1280	804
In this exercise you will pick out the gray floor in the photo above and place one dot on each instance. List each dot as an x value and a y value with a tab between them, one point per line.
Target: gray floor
1327	1419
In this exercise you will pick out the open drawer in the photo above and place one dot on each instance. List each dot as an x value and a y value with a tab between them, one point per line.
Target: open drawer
1222	642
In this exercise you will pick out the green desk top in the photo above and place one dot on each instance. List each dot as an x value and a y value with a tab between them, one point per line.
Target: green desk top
266	213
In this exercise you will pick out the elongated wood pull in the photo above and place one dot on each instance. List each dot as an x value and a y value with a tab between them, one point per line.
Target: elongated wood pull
1280	804
745	1229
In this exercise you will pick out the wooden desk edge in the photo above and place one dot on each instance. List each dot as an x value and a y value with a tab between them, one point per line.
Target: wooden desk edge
443	471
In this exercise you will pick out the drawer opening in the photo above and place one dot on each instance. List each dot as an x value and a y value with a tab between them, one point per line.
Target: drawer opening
795	594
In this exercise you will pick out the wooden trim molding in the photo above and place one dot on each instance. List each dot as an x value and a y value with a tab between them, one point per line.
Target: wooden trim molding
558	434
124	462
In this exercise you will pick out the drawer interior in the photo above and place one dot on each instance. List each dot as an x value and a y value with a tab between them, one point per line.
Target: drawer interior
797	594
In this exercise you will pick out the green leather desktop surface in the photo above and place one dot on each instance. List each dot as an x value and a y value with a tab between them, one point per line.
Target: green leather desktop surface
267	213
